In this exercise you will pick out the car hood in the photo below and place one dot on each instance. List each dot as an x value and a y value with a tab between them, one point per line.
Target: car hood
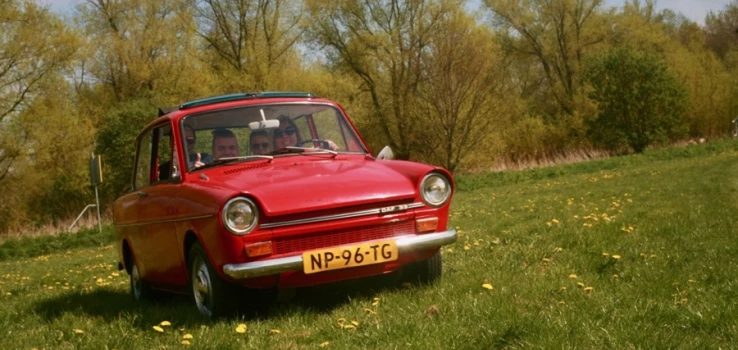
303	183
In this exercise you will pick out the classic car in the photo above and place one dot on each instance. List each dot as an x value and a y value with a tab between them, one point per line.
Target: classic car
272	191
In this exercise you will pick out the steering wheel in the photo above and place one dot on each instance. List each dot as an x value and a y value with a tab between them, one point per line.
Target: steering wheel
323	143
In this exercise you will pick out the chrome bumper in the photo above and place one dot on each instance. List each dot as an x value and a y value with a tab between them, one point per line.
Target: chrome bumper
405	244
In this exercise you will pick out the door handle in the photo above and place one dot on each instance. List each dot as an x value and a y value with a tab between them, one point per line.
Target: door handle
141	194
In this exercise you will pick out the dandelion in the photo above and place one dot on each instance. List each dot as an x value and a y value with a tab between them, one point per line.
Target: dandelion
467	247
615	276
187	336
588	290
616	257
580	284
275	331
341	321
692	281
573	276
356	324
158	329
562	302
562	289
185	342
605	255
241	328
546	260
165	323
487	286
349	326
79	331
683	301
324	344
555	221
558	249
450	250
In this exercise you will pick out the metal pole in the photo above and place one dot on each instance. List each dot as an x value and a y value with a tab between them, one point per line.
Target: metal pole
97	200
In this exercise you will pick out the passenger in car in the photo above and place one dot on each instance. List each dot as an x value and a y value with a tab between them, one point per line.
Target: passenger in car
194	158
225	144
259	142
288	135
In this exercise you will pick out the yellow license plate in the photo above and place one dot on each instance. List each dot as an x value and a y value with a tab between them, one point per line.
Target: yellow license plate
349	256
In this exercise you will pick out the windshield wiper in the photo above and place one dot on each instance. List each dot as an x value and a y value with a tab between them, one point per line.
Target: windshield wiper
226	160
293	149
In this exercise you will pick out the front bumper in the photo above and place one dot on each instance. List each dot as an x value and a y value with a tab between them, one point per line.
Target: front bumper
405	244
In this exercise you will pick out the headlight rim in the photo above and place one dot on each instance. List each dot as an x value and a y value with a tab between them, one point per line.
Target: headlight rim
448	192
254	222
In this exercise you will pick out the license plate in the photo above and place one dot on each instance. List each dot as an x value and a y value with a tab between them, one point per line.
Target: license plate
349	256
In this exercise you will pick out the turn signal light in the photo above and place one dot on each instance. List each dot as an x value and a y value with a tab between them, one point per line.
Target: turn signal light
258	249
426	225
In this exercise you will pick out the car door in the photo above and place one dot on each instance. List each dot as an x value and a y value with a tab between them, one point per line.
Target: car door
157	245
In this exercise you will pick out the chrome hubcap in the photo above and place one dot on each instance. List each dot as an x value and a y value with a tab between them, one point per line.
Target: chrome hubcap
135	282
201	287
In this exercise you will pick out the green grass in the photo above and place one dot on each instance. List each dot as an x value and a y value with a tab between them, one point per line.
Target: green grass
668	214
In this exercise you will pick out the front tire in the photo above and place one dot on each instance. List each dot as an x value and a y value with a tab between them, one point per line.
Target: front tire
427	271
209	290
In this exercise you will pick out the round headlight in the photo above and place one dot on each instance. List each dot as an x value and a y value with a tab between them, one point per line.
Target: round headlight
240	215
435	189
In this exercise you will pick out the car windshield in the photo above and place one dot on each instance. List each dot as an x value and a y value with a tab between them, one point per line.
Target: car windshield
223	136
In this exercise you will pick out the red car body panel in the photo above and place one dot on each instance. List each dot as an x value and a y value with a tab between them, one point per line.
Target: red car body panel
155	224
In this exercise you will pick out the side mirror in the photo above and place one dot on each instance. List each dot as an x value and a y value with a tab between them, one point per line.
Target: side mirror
386	154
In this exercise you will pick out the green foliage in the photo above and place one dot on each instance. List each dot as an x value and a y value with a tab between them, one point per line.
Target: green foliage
640	103
116	143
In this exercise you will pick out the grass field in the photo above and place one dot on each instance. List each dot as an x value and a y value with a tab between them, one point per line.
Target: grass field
630	252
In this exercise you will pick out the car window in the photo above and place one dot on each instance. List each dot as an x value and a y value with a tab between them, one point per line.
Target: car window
163	139
298	122
142	176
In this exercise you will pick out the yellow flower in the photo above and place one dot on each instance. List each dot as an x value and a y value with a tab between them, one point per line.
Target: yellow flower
615	276
450	250
558	249
241	328
79	331
555	221
573	276
187	336
349	326
324	344
562	289
275	331
355	323
616	257
341	320
165	323
692	281
683	300
562	302
185	342
487	286
546	260
580	284
375	303
158	329
605	255
588	289
369	311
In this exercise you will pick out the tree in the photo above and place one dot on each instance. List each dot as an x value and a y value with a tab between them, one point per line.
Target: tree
248	40
460	85
384	43
33	45
640	103
558	34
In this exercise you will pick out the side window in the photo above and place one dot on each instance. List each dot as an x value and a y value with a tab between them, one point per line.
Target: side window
163	160
142	176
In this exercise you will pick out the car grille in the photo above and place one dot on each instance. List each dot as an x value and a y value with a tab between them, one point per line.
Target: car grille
341	237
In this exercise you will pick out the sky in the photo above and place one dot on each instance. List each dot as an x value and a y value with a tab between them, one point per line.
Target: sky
696	10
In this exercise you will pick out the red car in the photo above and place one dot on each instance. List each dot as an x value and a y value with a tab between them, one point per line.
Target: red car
272	190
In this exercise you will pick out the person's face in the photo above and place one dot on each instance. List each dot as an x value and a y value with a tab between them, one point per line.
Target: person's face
225	147
190	139
259	144
285	136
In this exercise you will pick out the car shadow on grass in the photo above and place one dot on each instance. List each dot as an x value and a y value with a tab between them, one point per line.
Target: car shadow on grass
112	305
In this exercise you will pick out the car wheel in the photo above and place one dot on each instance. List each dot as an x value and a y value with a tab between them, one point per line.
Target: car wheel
139	288
427	271
209	291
